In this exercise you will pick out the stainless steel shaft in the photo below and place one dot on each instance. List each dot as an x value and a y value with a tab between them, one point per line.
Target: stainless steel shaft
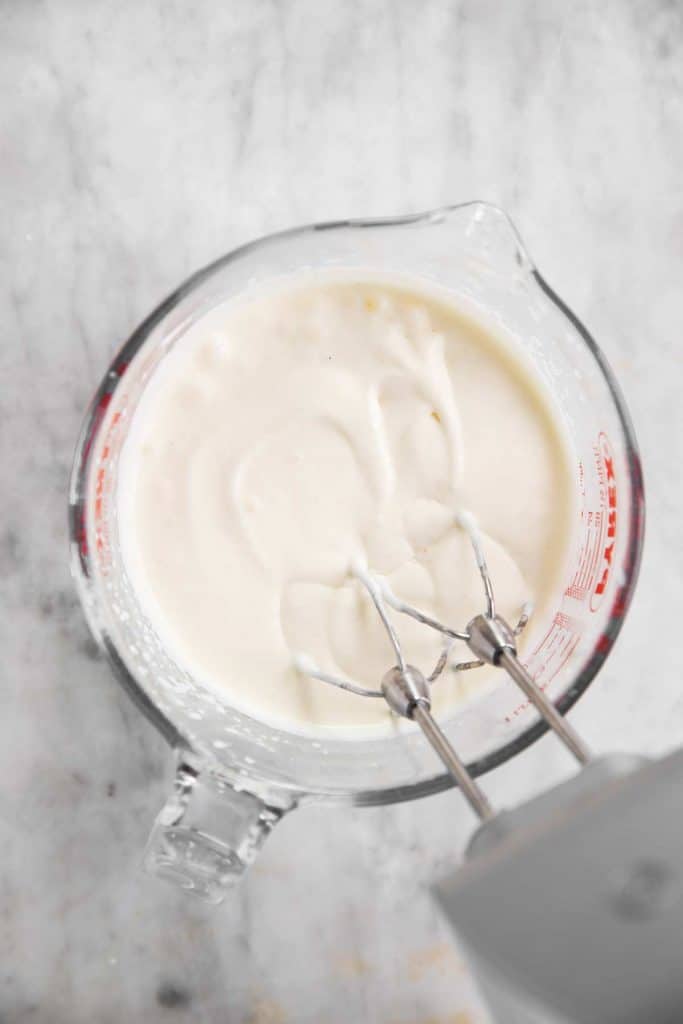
508	660
406	691
470	788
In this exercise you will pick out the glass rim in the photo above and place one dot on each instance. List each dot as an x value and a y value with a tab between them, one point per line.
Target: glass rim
80	556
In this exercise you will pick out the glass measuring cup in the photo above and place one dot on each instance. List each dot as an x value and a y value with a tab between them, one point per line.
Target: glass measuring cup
236	776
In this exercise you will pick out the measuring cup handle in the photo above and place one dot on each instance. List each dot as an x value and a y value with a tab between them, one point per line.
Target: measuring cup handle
208	833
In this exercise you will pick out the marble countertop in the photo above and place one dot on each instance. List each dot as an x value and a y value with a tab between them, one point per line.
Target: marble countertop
139	142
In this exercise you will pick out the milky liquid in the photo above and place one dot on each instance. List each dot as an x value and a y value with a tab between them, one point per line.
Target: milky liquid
332	421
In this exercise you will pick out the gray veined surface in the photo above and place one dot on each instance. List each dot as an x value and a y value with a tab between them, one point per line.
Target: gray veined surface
138	147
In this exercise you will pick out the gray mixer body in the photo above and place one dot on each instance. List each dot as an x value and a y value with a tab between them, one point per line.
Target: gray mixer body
570	907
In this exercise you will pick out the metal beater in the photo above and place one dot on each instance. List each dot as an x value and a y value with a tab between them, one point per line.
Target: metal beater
491	640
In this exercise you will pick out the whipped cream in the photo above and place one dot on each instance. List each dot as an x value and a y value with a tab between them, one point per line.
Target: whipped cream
338	420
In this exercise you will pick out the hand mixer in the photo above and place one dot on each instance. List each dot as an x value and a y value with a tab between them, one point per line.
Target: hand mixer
570	906
490	639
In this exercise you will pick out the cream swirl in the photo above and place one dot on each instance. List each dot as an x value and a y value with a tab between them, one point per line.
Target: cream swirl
332	419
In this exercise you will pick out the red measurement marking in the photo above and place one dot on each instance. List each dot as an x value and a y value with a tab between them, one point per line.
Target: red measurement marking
102	487
599	531
595	554
97	420
591	578
550	655
606	560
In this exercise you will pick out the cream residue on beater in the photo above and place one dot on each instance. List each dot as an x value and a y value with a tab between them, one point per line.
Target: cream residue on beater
332	420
